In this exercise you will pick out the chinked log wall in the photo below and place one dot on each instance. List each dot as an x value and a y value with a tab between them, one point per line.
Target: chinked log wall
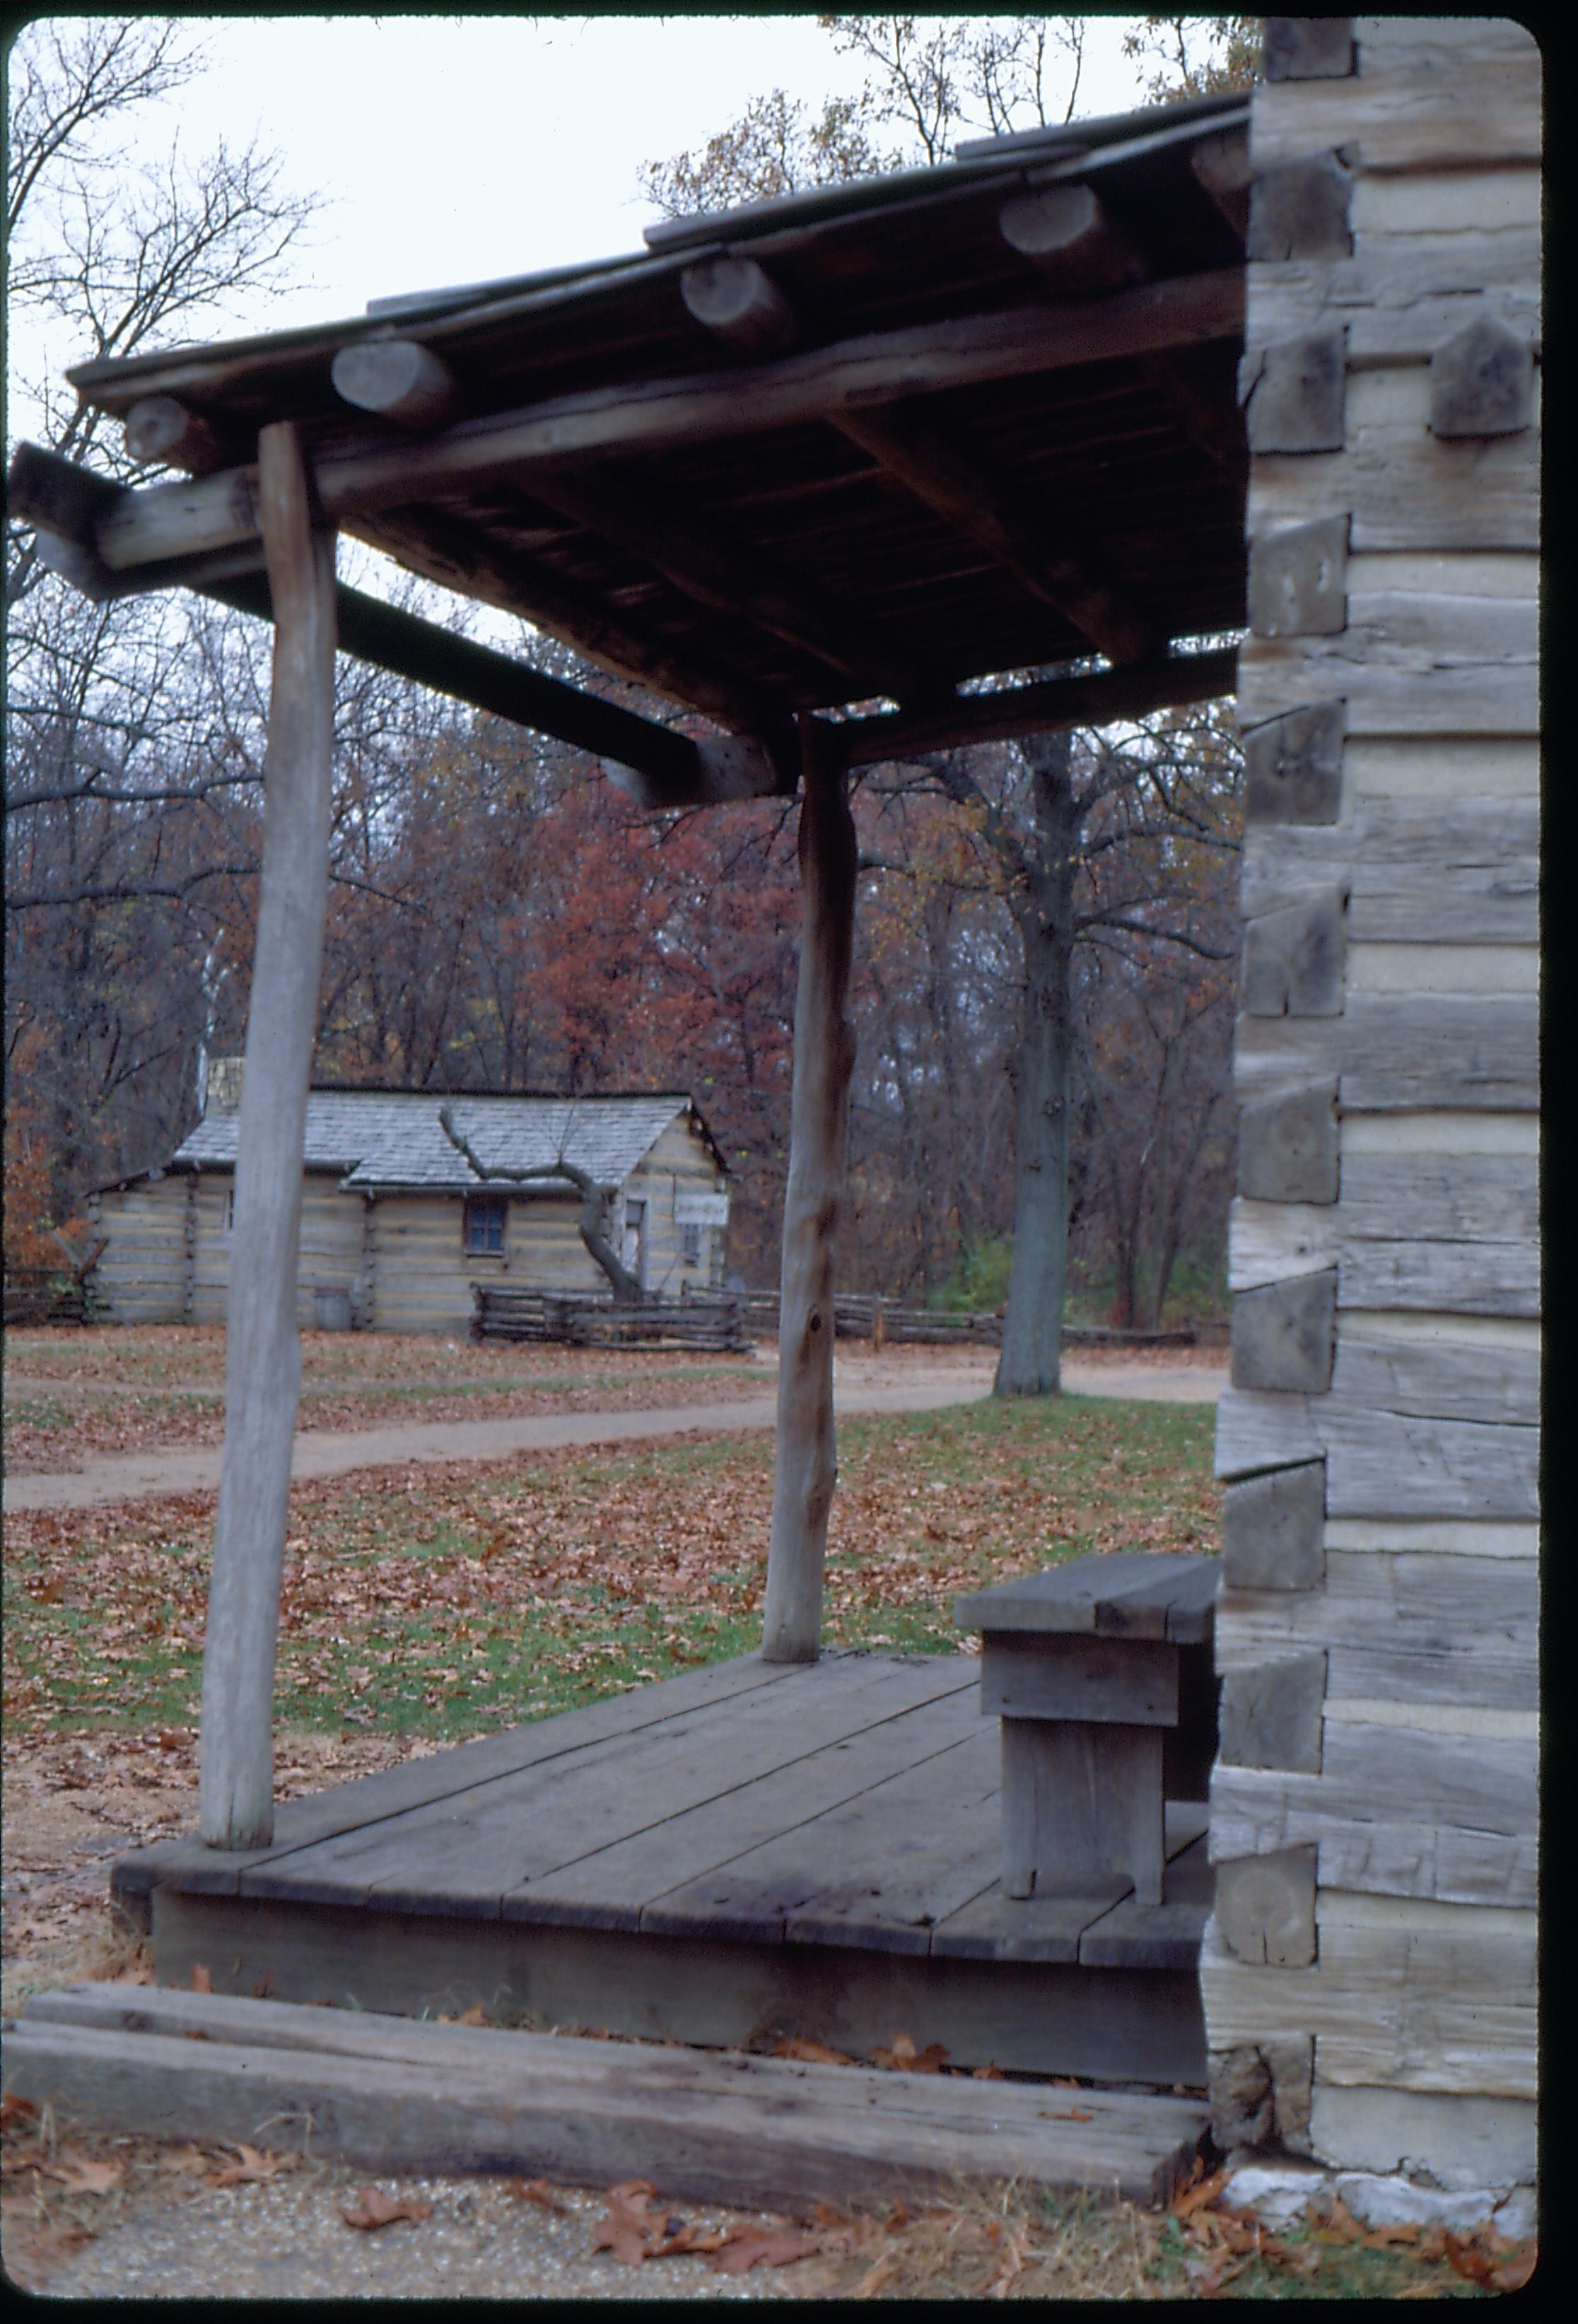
1369	1974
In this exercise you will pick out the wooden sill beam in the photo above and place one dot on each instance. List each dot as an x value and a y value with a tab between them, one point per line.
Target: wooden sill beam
160	522
1041	709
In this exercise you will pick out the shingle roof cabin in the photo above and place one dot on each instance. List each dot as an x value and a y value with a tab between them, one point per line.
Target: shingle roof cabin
393	1215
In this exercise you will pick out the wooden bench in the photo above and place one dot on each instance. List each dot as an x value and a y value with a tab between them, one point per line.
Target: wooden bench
1102	1671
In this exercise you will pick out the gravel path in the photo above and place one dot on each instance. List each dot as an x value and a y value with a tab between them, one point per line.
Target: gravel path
330	1452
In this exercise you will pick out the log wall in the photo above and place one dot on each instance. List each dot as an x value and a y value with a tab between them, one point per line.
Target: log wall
1379	1438
400	1256
141	1277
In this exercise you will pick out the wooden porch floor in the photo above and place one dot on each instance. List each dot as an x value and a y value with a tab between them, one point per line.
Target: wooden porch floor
745	1853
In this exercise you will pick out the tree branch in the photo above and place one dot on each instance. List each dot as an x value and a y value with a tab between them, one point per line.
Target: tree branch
594	1201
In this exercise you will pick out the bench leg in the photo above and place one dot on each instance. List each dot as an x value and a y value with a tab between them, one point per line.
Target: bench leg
1080	1803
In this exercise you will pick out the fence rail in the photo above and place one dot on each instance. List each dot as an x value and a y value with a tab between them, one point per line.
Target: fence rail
50	1295
578	1320
863	1315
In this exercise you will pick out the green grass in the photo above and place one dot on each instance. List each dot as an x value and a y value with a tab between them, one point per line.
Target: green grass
477	1599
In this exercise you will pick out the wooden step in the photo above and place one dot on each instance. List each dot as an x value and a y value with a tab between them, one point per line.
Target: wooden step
395	2094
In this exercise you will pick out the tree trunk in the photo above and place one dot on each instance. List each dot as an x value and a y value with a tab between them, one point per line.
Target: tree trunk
262	1366
806	1464
1043	908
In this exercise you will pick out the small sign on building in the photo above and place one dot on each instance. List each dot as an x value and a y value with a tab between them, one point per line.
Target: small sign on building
701	1209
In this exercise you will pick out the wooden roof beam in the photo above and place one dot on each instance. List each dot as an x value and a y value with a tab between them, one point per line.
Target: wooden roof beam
669	769
1222	165
948	480
1040	709
737	300
443	548
735	579
177	519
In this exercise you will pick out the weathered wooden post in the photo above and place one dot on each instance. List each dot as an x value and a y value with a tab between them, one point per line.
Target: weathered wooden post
806	1463
263	1353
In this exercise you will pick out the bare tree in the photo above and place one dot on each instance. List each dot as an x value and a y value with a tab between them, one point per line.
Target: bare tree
1054	816
596	1204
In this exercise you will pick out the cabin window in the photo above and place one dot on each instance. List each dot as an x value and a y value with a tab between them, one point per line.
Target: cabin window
692	1245
485	1225
229	1208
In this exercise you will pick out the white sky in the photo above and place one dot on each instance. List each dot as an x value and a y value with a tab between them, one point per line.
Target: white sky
452	149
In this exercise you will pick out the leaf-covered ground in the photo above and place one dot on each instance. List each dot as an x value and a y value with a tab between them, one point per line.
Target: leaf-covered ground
442	1601
71	1396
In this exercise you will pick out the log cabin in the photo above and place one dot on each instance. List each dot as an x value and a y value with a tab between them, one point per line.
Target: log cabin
977	451
396	1224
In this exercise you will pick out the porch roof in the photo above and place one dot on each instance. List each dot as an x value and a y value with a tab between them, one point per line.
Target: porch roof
965	427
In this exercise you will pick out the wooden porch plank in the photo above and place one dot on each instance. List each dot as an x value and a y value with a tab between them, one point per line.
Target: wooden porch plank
462	1853
763	2131
191	1865
875	1871
1053	1927
611	1888
1156	1936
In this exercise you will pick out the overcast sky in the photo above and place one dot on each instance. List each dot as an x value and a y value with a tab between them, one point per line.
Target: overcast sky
458	149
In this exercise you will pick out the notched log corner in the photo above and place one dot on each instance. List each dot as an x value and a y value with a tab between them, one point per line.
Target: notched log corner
1294	394
1283	1334
1265	1907
1299	209
1293	766
1273	1529
1298	580
1482	381
1272	1713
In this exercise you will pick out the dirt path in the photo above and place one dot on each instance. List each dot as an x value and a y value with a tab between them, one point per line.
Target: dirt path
868	1387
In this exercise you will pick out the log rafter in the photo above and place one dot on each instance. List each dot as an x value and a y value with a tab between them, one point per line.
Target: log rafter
734	578
160	522
738	301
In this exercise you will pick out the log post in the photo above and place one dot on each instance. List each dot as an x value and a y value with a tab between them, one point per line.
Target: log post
806	1465
262	1367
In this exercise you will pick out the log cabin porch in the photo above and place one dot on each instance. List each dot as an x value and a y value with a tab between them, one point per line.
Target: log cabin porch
844	479
745	1854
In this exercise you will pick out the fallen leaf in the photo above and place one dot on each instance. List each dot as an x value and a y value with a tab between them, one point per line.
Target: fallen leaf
255	2163
1064	2114
988	2072
1194	2199
628	2233
814	2054
904	2058
191	2160
195	2034
202	1979
475	2015
750	2247
79	2176
374	2209
14	2109
535	2190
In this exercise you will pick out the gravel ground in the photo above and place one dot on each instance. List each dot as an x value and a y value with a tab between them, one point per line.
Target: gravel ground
287	2239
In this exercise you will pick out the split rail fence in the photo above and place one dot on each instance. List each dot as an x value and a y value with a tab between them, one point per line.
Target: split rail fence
729	1324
